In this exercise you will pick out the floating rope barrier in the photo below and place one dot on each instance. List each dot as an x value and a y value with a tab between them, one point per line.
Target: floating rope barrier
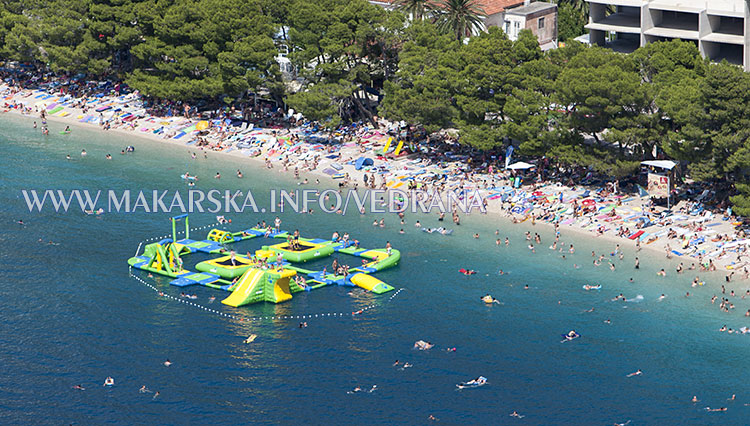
259	318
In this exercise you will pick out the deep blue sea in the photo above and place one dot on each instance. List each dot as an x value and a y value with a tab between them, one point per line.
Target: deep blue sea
71	315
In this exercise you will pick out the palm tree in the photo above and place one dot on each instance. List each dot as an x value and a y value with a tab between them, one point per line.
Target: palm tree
460	17
416	8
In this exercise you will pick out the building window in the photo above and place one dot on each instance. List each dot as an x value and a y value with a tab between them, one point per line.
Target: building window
541	23
507	27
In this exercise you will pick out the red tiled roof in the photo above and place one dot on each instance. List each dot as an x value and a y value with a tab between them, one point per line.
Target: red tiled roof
492	7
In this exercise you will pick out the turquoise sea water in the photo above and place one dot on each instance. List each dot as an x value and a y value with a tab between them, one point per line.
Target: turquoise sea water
71	315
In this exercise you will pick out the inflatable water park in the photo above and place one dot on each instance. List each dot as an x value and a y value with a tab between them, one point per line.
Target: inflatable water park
268	275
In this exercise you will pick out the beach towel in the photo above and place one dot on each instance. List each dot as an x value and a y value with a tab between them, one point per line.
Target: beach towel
636	235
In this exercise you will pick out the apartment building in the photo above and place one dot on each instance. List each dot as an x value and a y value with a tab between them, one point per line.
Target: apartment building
718	27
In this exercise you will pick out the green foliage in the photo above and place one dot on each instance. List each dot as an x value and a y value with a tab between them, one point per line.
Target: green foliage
461	18
570	21
421	89
344	46
205	49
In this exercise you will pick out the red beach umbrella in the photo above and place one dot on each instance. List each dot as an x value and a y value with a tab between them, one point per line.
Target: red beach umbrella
588	202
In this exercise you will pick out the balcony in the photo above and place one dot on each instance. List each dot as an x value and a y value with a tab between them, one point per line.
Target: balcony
718	52
724	29
672	24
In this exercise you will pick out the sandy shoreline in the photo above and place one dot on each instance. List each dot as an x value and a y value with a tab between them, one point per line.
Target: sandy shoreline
495	211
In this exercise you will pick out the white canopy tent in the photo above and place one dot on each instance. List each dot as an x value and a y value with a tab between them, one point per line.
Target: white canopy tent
661	164
520	166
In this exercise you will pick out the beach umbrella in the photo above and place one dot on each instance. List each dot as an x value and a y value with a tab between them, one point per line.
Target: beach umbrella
588	202
520	166
202	125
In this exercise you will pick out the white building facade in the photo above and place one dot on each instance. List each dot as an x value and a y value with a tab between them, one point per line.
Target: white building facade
720	28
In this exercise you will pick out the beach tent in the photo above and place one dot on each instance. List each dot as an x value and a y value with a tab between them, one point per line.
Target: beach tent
521	166
363	162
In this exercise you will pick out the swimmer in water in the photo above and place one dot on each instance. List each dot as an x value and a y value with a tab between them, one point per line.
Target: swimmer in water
144	389
695	399
211	299
637	373
79	387
109	381
167	363
516	415
715	409
156	394
662	297
489	299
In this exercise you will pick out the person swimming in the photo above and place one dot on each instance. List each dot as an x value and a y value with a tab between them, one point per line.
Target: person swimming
636	373
479	381
489	299
109	381
251	338
79	387
422	345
